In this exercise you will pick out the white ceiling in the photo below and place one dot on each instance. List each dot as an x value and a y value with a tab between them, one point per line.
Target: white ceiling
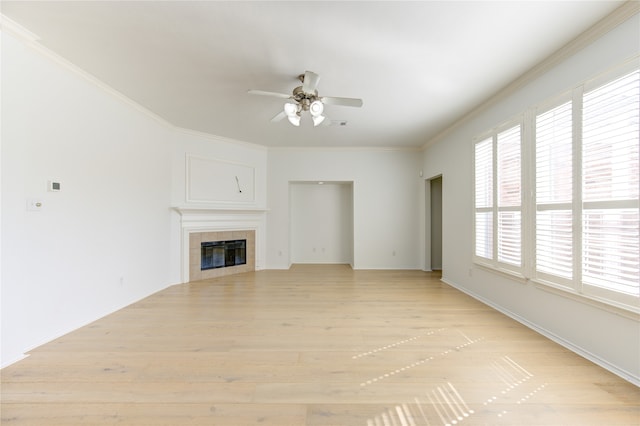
417	65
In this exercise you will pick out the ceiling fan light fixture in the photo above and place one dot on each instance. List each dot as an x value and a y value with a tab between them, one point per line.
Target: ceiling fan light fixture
316	108
294	119
290	109
305	98
317	119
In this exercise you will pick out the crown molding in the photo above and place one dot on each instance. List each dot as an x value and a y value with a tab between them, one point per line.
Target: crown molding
216	138
32	41
348	148
599	29
12	27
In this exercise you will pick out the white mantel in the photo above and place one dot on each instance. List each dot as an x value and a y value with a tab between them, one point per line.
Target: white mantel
196	218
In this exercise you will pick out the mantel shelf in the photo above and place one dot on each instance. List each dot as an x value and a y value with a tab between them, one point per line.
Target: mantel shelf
213	210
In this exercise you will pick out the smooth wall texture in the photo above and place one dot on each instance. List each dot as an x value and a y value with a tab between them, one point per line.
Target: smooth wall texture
102	241
385	205
604	336
321	222
189	143
186	143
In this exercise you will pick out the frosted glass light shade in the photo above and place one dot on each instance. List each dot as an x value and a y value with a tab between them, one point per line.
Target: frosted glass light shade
318	119
294	119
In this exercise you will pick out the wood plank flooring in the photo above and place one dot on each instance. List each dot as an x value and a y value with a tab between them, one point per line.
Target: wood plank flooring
315	345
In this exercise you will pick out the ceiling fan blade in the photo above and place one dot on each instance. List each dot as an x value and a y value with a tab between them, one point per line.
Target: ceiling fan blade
331	100
279	117
310	82
266	93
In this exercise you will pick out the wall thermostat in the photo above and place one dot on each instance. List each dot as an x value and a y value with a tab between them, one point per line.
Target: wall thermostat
54	186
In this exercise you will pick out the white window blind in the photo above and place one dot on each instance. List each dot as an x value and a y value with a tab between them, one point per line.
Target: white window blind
610	185
509	196
484	198
554	192
580	226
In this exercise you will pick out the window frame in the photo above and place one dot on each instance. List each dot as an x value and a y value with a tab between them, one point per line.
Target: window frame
592	291
542	108
494	262
575	286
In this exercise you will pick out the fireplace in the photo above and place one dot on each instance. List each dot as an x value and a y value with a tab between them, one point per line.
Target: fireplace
222	254
214	254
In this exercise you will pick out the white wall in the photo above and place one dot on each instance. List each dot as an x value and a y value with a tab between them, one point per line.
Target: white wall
189	143
100	243
110	237
385	205
606	337
321	223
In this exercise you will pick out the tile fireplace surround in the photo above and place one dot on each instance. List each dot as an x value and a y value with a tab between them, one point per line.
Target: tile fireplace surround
203	224
196	238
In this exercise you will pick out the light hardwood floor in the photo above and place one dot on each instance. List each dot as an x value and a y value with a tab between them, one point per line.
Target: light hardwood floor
315	345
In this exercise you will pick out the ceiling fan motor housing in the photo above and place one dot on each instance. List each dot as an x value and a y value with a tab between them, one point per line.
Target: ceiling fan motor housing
303	98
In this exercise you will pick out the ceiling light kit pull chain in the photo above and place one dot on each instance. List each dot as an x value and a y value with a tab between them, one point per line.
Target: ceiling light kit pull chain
305	98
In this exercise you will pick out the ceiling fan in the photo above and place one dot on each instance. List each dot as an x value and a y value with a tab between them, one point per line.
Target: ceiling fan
305	98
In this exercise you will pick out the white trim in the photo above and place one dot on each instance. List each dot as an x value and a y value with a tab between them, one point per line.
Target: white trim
611	21
217	138
17	359
215	220
608	305
626	375
17	30
203	209
529	206
509	273
614	72
54	336
30	40
347	148
251	203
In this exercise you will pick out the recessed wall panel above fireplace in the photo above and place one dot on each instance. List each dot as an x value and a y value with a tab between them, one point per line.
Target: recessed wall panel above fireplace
215	181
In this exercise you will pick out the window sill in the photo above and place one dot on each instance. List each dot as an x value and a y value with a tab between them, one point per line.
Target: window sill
516	276
623	310
616	308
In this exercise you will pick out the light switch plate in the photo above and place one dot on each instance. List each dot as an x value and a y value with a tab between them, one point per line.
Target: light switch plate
35	204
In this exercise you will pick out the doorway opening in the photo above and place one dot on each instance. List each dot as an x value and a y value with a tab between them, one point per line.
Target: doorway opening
433	224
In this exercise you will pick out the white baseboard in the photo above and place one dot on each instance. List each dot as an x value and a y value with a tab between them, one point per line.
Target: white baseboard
624	374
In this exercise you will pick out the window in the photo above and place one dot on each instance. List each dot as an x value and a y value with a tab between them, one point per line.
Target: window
498	199
484	198
509	199
554	194
583	230
610	160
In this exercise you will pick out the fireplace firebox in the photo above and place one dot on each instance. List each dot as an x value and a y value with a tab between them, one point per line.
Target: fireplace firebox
222	254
